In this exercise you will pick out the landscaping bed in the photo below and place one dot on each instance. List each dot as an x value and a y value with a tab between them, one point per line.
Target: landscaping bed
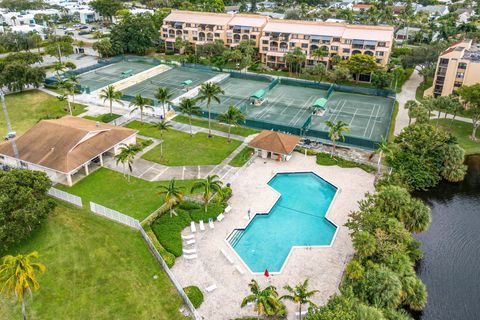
462	131
215	125
325	159
240	159
105	118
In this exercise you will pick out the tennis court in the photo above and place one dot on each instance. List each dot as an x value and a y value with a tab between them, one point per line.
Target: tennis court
368	117
112	73
177	79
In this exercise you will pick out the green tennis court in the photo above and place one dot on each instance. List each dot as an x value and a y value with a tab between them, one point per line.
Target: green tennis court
112	73
177	79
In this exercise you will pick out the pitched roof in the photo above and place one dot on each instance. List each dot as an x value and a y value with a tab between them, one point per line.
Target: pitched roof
275	142
65	144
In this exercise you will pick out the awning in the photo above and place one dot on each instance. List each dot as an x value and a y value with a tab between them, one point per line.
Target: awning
370	43
258	94
320	103
355	41
187	82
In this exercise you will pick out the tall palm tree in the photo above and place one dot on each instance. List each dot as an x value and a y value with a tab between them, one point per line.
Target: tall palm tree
163	95
74	81
173	195
320	53
210	91
189	107
140	103
266	300
209	185
18	276
231	117
109	93
336	131
410	105
126	156
382	149
162	126
300	295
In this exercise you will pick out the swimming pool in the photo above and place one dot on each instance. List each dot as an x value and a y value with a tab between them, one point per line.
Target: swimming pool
296	219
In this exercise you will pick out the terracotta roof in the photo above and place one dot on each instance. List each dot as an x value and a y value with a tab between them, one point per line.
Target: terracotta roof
65	144
275	142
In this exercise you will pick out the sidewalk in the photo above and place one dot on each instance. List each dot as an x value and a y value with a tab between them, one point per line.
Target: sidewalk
408	93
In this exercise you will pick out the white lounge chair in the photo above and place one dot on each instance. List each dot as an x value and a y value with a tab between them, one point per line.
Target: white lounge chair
220	217
227	256
189	251
192	227
190	241
202	226
210	223
240	270
189	237
227	209
190	257
211	288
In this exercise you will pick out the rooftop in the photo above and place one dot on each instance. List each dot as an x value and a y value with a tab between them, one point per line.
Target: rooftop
275	142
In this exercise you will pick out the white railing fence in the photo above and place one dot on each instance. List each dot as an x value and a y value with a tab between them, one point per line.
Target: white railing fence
65	196
114	215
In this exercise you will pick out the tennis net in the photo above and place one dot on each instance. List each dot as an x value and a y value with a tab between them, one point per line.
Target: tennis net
353	115
166	84
109	74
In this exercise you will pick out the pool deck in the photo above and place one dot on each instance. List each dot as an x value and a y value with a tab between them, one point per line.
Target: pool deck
323	266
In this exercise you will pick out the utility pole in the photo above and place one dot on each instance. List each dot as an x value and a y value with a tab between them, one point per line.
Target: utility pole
9	124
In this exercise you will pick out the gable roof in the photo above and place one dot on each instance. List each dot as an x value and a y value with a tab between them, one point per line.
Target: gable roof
67	143
275	142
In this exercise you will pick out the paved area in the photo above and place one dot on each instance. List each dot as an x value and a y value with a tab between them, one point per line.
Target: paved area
407	93
323	266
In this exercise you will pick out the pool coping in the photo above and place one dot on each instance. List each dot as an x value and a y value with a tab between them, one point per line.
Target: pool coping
338	190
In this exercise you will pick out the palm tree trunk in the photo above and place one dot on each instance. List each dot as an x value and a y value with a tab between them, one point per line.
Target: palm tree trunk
190	122
229	139
164	114
409	120
209	128
300	310
474	133
69	107
111	107
141	116
161	146
379	161
23	309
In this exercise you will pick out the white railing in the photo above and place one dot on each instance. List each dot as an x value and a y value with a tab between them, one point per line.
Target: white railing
114	215
65	196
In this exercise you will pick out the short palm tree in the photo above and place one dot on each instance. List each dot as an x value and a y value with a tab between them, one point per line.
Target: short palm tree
173	195
189	107
162	126
210	91
209	186
411	105
163	95
231	117
140	103
126	156
18	276
74	81
336	131
109	93
382	149
300	295
266	300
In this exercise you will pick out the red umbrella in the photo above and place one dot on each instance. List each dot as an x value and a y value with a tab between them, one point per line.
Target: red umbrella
266	274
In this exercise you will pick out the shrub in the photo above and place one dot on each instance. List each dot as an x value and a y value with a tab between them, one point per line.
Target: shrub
213	210
310	152
324	159
195	295
189	205
169	53
167	256
168	229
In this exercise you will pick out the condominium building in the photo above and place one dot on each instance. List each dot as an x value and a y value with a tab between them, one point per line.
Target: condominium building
458	65
275	37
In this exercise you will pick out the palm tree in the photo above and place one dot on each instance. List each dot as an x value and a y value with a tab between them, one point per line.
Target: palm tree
382	149
140	103
74	80
163	96
109	93
17	276
209	185
319	53
127	155
189	107
300	295
210	91
336	131
173	195
410	105
231	117
163	126
266	300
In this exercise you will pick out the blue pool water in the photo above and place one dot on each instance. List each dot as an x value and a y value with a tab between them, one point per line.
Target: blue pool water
296	219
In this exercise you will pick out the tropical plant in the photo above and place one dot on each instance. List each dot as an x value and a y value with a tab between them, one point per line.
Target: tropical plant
210	91
163	95
336	130
74	81
471	98
231	117
109	93
411	105
126	156
162	126
188	106
382	149
18	276
300	295
140	103
173	195
209	186
266	300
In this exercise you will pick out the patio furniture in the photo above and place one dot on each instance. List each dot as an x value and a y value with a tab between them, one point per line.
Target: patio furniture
220	217
240	270
192	227
227	209
227	256
189	242
190	257
202	226
211	288
210	223
189	251
189	237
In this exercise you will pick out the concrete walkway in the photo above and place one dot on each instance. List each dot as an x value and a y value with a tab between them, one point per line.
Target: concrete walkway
408	93
449	116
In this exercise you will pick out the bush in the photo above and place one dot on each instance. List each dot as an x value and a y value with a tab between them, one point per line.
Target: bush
324	159
213	210
168	229
169	53
189	205
167	256
195	295
310	152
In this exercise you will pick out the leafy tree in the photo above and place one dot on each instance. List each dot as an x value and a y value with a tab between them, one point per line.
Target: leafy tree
360	64
471	97
162	126
104	48
453	168
111	94
354	270
210	185
18	277
381	79
300	295
140	103
295	59
163	95
339	73
188	106
424	57
24	204
338	307
134	34
336	130
210	91
173	195
213	6
365	312
59	46
266	300
411	106
126	156
18	75
22	5
231	117
106	8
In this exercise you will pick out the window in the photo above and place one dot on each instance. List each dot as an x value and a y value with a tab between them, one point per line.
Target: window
379	53
334	48
306	37
460	74
292	44
264	41
229	40
381	44
264	48
348	41
304	45
443	61
194	33
195	38
336	40
379	61
345	50
462	65
457	84
188	25
253	36
219	27
217	35
294	36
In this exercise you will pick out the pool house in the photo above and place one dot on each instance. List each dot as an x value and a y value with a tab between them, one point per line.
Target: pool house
274	145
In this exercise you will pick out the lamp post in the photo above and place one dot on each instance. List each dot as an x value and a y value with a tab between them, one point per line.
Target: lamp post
9	124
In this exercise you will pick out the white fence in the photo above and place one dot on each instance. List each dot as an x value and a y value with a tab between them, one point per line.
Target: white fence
65	196
114	215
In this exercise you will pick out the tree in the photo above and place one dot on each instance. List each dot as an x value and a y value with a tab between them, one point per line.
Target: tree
59	46
140	103
162	126
210	185
231	117
382	149
16	76
173	195
266	300
111	94
320	53
411	105
364	244
299	295
360	64
295	59
163	95
18	276
213	6
106	8
338	74
127	155
381	79
104	47
210	91
424	57
188	106
471	98
134	34
336	131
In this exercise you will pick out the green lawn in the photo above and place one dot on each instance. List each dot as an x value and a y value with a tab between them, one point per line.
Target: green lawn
137	198
179	149
105	118
28	107
422	87
462	130
325	159
95	269
241	158
241	131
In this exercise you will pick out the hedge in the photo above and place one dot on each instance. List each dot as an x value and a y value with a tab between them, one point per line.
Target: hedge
167	256
195	295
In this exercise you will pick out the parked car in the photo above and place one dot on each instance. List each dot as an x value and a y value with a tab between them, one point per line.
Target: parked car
83	27
83	32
